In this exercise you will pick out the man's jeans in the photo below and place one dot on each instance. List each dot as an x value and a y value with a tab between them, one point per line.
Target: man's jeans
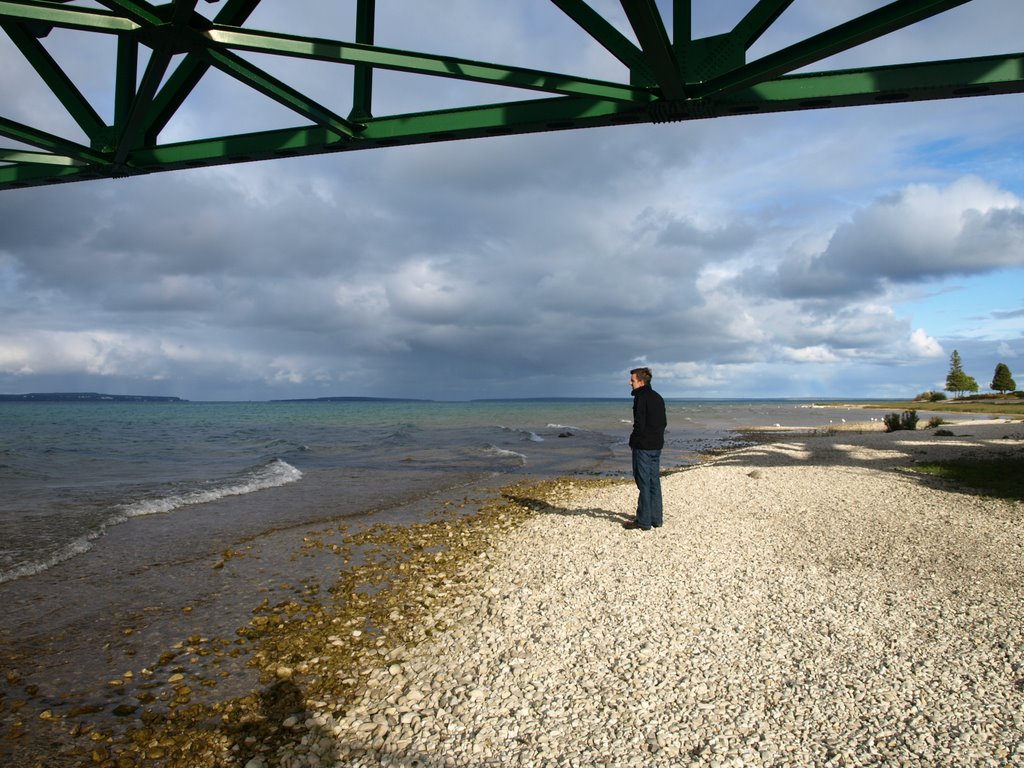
646	467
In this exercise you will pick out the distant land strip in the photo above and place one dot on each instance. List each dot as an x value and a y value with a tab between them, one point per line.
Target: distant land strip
549	399
86	397
351	400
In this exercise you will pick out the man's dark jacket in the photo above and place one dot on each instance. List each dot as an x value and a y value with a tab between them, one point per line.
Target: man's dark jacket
648	420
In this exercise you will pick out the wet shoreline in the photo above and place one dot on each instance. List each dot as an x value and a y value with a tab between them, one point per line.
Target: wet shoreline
111	659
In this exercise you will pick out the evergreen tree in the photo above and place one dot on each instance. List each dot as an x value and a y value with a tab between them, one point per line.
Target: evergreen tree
957	381
1002	379
956	374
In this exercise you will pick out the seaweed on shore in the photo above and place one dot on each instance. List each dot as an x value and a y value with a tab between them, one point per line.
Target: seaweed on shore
318	651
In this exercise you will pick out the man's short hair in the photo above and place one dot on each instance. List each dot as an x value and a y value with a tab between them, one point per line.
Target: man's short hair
644	374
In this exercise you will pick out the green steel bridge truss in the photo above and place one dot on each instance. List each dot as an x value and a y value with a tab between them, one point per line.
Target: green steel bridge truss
163	52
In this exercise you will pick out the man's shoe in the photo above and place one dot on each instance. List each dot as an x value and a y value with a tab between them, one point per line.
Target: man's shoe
632	526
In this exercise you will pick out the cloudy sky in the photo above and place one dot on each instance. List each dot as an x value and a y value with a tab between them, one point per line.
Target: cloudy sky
833	253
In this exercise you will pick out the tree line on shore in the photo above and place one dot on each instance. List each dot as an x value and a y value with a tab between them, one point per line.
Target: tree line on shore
960	383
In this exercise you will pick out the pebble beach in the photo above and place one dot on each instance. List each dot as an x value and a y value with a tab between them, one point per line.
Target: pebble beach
810	602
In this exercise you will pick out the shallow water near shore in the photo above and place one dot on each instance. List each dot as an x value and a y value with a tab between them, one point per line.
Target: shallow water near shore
71	472
138	537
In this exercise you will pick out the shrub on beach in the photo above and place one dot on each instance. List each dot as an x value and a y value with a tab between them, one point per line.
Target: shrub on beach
930	397
897	421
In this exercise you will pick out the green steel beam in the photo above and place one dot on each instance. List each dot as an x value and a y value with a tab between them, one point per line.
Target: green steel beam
85	19
904	82
446	125
870	26
37	158
362	74
187	75
142	13
419	63
55	78
127	75
682	34
270	86
984	76
130	133
610	38
758	20
181	10
47	142
664	79
650	31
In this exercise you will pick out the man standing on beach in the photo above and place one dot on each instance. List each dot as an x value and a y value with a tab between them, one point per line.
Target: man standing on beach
646	441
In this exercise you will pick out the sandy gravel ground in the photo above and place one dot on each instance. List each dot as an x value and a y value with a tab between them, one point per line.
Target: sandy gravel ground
808	602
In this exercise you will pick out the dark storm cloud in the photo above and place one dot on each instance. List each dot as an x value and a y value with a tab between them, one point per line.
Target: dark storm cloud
728	240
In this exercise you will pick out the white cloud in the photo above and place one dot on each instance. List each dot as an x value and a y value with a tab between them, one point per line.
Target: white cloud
923	345
94	352
922	232
817	354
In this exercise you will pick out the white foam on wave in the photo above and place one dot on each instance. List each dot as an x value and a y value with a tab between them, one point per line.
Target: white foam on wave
271	475
506	454
77	547
533	437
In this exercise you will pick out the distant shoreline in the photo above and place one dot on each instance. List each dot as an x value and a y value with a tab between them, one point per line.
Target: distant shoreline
351	400
86	397
1007	406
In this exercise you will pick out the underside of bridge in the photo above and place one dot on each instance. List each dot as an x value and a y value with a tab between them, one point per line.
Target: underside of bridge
131	87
